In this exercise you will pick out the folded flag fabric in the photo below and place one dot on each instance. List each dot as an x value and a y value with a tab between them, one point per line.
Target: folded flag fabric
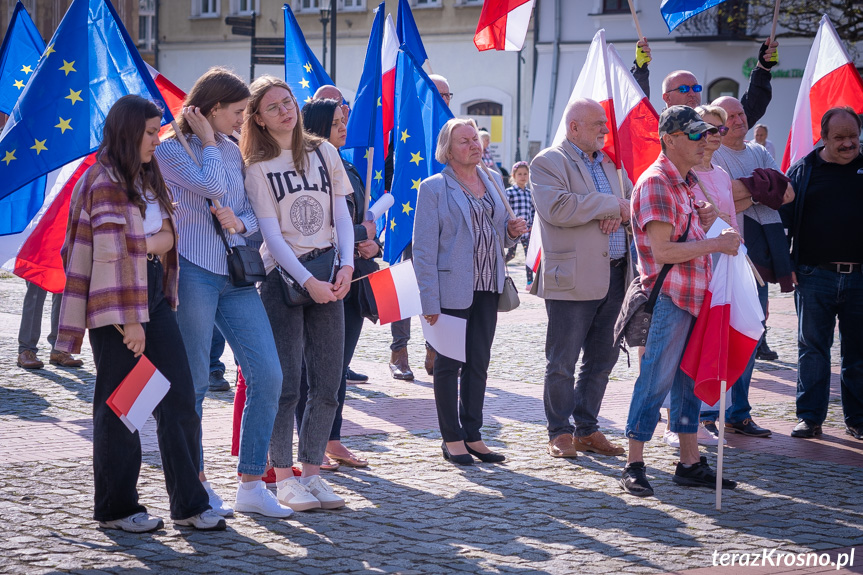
676	12
138	394
503	25
396	292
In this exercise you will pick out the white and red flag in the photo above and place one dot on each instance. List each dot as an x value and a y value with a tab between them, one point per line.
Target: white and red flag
830	80
728	327
138	394
503	25
396	292
389	55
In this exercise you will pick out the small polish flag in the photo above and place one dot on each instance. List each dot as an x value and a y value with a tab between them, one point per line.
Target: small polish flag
503	25
138	395
396	292
534	252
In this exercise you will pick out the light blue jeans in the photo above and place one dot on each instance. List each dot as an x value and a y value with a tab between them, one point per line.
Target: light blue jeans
670	327
207	300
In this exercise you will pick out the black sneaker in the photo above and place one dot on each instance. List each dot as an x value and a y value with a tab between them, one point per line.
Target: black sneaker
633	480
765	353
806	429
699	475
218	381
747	427
355	378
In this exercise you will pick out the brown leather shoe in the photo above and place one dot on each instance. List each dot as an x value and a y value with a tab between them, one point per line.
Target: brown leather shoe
561	446
28	360
430	356
64	359
399	365
597	443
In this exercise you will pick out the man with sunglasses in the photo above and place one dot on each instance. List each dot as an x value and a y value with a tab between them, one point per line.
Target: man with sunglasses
663	212
681	88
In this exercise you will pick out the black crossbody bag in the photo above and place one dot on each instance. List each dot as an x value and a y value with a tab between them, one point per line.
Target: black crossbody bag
245	266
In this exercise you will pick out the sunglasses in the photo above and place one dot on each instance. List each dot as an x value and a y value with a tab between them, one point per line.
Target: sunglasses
723	129
684	89
694	137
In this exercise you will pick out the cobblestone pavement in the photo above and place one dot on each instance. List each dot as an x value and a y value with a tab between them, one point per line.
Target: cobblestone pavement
412	512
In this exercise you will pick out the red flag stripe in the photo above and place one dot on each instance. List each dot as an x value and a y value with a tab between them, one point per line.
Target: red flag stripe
124	397
386	297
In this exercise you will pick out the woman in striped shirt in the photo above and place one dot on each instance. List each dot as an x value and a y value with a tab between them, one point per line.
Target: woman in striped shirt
211	182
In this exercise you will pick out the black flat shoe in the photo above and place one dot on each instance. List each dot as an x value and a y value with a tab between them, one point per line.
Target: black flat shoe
463	459
490	457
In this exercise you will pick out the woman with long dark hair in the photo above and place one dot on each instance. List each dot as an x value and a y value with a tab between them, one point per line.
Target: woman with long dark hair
121	268
297	185
209	186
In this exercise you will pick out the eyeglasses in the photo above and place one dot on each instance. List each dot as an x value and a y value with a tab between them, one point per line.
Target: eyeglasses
447	96
274	110
684	88
721	130
692	137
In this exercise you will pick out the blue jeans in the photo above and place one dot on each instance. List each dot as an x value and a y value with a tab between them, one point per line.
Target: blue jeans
207	300
822	296
670	328
574	326
217	348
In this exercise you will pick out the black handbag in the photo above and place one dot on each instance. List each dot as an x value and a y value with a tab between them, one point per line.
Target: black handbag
322	263
245	265
362	290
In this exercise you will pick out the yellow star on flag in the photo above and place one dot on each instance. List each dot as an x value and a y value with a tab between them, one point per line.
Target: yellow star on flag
39	146
26	69
368	153
406	208
417	183
416	158
304	83
379	101
68	67
392	225
74	96
378	176
405	136
18	84
307	100
48	51
9	157
308	67
64	125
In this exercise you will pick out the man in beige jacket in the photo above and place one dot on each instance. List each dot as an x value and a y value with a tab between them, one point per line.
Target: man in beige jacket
581	215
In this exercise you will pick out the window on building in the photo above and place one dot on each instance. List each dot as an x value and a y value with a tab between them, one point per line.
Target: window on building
352	5
614	6
722	87
146	25
485	108
310	5
426	3
470	2
206	8
245	7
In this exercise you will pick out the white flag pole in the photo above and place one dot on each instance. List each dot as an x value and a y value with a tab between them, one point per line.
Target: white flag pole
369	169
721	428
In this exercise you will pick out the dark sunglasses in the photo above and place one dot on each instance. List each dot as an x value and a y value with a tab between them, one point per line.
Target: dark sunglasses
695	137
684	89
723	129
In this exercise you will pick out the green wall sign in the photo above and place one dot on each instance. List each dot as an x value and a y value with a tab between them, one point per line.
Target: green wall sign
750	64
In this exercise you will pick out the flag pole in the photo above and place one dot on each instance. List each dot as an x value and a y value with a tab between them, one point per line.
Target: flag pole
721	452
638	26
182	139
427	64
369	170
775	18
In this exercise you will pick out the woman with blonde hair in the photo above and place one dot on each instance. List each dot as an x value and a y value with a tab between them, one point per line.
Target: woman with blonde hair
297	185
212	208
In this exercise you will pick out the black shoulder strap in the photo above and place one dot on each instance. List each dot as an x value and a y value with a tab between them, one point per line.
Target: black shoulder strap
326	177
219	230
657	287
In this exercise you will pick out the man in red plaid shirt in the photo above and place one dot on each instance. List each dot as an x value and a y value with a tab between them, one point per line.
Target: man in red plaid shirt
663	210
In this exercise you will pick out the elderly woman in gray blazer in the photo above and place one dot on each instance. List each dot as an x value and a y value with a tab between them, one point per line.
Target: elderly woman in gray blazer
460	230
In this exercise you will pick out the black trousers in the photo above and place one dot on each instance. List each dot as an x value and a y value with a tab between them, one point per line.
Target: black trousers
116	451
459	403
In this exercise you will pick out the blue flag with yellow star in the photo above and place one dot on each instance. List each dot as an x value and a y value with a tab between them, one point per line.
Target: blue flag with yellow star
19	55
366	124
303	72
420	115
409	34
88	65
22	47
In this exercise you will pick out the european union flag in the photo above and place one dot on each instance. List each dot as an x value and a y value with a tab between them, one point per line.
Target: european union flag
365	125
88	65
420	115
675	12
408	33
303	73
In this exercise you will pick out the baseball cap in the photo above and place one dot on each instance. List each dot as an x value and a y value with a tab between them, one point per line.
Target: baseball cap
682	119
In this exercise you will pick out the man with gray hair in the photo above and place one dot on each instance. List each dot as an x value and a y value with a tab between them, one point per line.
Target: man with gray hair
583	275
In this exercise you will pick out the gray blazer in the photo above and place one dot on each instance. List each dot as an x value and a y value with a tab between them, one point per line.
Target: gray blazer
443	243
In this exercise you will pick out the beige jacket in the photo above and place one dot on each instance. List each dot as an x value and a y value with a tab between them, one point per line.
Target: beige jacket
575	262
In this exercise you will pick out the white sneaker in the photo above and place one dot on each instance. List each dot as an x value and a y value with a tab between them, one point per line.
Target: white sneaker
295	495
216	502
137	523
671	438
207	520
259	499
707	438
323	492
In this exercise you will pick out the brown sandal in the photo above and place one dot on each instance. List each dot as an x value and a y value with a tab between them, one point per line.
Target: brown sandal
328	465
351	460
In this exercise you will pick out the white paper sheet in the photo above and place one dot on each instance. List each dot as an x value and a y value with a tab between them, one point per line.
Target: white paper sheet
447	336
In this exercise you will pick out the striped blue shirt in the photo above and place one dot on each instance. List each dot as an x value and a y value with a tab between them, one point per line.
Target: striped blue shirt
220	177
617	240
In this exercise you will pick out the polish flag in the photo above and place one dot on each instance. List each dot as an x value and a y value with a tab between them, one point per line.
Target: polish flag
389	55
396	292
503	25
633	138
830	80
138	394
728	327
533	255
34	254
